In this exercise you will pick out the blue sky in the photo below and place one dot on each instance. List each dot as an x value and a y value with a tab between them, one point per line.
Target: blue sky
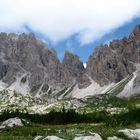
84	51
74	25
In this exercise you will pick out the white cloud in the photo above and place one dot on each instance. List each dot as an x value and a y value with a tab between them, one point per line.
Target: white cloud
59	19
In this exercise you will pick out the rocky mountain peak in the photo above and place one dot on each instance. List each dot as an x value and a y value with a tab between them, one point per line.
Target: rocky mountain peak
27	60
74	68
73	62
114	62
135	35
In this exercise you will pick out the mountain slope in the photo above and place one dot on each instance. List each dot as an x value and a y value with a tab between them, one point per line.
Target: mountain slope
28	67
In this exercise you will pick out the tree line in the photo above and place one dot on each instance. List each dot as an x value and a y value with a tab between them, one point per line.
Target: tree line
71	116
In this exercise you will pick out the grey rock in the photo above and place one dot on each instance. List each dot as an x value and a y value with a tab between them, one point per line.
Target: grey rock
106	66
114	62
74	70
25	55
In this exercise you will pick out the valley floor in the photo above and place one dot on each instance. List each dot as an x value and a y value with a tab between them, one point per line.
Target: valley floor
103	118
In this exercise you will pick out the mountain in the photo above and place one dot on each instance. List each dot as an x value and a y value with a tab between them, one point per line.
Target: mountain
29	67
114	62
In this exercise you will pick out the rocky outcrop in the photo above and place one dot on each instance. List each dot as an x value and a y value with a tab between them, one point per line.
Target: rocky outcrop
114	138
74	70
25	59
132	134
73	66
95	136
47	138
113	62
25	55
92	137
12	122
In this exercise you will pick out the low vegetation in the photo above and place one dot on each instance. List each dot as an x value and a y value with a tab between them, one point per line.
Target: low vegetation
67	123
71	116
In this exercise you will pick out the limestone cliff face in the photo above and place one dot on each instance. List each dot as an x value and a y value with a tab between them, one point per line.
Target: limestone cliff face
106	66
114	62
74	70
27	57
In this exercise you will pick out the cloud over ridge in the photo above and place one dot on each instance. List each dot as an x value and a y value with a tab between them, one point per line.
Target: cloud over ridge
60	19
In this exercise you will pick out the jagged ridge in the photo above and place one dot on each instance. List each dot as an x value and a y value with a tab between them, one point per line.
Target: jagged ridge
29	67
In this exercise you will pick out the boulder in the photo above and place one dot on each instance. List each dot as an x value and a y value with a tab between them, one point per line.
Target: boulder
12	122
114	138
133	134
94	136
52	138
38	138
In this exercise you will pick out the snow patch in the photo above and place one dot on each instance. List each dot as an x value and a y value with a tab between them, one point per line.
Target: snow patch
85	65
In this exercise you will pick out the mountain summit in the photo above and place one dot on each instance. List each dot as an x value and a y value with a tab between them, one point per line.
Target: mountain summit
28	66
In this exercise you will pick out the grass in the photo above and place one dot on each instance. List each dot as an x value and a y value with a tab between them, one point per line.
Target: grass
121	135
22	133
67	132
